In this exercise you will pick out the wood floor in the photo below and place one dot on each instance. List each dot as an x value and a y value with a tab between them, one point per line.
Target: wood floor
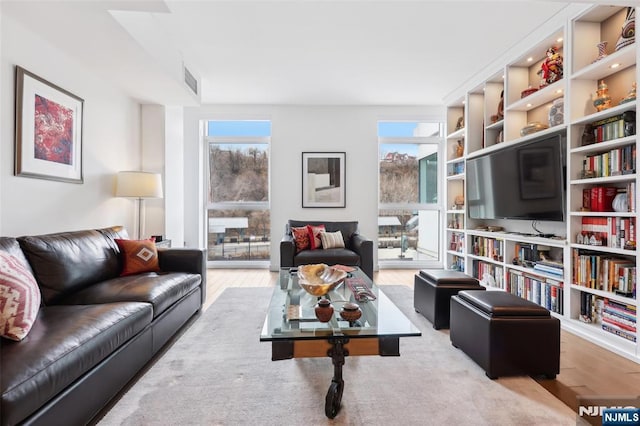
585	368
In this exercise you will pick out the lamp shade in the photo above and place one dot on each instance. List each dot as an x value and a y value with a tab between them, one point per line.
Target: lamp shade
136	184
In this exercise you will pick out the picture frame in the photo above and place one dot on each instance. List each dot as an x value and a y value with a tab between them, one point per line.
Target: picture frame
48	130
323	179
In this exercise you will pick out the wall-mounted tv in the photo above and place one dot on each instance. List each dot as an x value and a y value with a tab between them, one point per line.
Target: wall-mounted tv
525	181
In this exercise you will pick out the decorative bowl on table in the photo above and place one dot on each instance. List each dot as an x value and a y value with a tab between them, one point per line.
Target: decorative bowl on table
319	279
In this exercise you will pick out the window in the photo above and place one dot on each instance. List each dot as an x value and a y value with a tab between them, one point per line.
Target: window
409	213
238	215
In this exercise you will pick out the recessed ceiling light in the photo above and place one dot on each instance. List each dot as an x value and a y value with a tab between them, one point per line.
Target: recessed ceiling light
529	59
559	91
616	65
529	105
559	40
503	76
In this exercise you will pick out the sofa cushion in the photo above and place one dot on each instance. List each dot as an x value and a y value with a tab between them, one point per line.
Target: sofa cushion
138	256
68	261
301	238
332	240
161	290
314	236
329	256
19	298
64	343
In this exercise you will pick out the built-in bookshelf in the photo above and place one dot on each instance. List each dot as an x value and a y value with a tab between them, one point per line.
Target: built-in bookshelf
587	273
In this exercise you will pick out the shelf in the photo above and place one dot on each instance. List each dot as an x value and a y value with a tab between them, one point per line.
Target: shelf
541	134
459	176
600	214
605	249
509	236
498	125
605	294
604	146
456	230
457	134
595	333
610	112
455	160
607	179
485	259
602	68
541	97
455	253
459	211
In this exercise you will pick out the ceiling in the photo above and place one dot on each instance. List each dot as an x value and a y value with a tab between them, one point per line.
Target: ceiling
304	52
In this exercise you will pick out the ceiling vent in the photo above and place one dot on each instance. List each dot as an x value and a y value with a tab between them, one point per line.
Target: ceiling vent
191	81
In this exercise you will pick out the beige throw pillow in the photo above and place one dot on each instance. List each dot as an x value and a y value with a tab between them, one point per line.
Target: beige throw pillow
331	239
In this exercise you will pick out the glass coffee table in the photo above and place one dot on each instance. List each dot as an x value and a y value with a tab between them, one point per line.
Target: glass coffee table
294	331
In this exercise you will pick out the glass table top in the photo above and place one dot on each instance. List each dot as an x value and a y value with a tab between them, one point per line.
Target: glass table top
291	314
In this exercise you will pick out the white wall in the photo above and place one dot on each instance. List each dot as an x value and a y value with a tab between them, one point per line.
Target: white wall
111	142
297	129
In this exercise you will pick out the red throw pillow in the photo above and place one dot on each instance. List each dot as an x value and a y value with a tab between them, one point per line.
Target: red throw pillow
138	256
314	236
301	237
19	298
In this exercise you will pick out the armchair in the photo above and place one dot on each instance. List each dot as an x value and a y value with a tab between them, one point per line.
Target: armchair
358	250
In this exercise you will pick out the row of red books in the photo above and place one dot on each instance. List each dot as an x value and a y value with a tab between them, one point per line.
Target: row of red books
599	198
620	319
616	232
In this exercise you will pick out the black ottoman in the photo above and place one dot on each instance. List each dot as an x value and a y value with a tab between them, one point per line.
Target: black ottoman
504	334
432	290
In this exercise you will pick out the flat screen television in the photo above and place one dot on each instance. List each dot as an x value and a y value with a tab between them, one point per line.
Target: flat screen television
525	181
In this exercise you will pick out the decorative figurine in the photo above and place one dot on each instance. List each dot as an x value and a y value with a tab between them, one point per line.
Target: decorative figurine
628	33
552	67
460	123
501	106
629	119
602	100
602	50
631	96
460	148
588	135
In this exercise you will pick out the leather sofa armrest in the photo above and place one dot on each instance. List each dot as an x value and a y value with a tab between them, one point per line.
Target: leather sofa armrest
364	248
185	260
287	251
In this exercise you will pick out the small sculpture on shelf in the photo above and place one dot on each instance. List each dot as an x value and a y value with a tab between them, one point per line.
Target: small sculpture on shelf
602	100
631	96
459	148
556	112
602	50
500	115
552	67
460	123
629	119
459	202
628	33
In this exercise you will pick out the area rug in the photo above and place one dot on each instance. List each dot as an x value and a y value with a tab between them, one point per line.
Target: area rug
219	373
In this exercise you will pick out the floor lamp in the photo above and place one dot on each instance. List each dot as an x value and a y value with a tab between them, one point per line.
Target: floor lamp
139	185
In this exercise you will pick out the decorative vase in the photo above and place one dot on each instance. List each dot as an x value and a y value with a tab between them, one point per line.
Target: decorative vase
350	312
631	96
628	33
602	100
556	112
602	50
324	310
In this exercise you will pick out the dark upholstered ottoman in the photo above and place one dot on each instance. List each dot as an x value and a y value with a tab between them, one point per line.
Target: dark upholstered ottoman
504	334
432	290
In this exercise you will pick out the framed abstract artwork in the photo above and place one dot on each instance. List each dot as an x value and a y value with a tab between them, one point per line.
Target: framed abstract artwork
323	179
48	132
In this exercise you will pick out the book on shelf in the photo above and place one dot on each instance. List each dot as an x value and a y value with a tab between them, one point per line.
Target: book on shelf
550	267
545	292
615	162
608	128
601	198
604	272
616	232
620	332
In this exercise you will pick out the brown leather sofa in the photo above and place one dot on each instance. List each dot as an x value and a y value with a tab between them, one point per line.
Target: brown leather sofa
358	250
95	329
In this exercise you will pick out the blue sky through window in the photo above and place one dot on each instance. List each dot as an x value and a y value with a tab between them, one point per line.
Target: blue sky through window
239	128
396	129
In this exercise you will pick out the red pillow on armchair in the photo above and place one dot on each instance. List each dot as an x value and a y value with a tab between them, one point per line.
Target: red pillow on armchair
314	236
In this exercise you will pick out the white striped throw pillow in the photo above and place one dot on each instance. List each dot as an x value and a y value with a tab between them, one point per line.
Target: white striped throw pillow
331	239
